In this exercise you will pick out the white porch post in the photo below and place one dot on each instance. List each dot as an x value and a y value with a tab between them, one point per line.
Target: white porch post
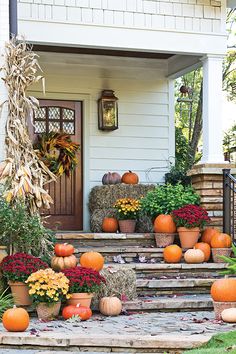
212	102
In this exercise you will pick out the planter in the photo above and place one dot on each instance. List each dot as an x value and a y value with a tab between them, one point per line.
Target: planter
217	252
84	299
20	293
164	239
3	252
221	306
48	311
188	237
127	226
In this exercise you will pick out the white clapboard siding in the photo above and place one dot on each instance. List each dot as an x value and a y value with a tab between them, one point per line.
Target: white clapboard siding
129	142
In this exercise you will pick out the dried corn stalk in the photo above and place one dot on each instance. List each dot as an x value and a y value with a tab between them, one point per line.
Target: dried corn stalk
22	173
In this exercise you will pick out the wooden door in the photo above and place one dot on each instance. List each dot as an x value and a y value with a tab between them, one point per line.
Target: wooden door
63	116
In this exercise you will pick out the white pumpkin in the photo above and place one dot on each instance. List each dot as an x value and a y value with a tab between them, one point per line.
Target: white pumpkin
194	256
229	315
110	306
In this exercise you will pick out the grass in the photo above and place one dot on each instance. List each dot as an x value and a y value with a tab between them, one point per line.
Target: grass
218	344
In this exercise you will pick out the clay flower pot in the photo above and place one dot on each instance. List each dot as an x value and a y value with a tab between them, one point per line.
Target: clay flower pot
164	239
84	299
217	252
3	252
48	311
127	226
188	237
219	307
20	293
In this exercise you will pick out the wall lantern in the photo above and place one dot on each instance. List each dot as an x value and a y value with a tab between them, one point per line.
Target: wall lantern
108	111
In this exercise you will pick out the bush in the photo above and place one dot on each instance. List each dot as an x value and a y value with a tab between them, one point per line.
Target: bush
164	199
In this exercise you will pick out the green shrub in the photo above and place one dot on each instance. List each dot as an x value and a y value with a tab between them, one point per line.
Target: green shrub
164	199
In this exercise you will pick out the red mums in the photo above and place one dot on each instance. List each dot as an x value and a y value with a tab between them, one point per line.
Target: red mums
190	216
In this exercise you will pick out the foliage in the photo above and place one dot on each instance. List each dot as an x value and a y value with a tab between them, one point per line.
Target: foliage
45	285
127	208
23	232
164	199
6	302
83	280
229	141
190	216
231	268
19	266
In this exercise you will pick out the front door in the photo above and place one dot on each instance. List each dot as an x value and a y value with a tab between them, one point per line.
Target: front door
63	116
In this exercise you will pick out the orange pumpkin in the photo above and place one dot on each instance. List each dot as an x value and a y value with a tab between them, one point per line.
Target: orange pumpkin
60	263
76	310
205	248
92	260
63	249
208	233
221	241
15	319
224	290
172	254
130	178
164	224
109	225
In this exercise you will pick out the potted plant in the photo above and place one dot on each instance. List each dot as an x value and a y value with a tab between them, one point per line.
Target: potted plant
84	282
127	213
189	219
221	246
47	288
16	269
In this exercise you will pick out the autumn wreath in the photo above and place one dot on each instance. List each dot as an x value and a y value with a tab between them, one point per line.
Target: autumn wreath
58	152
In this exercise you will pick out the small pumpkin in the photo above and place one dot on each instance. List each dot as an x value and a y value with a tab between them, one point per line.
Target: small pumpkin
111	178
194	256
15	319
60	263
92	260
172	254
110	306
164	224
205	248
229	315
221	241
208	233
63	249
130	178
224	290
76	310
110	225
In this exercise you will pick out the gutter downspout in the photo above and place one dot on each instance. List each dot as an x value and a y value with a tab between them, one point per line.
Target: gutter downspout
13	18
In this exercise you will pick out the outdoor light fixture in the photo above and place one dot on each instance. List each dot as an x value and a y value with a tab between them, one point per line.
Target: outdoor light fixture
108	111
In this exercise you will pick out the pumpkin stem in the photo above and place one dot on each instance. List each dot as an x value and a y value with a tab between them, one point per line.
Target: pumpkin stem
130	171
77	305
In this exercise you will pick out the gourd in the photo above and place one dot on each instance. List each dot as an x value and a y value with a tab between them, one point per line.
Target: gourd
172	254
130	178
60	263
110	306
221	241
224	290
229	315
208	233
76	310
194	256
92	260
205	248
109	225
111	178
63	249
15	319
164	224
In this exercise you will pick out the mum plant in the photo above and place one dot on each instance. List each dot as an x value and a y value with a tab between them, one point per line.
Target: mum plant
19	266
83	280
190	216
127	208
47	286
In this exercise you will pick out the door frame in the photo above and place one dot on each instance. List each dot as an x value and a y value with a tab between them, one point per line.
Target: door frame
86	108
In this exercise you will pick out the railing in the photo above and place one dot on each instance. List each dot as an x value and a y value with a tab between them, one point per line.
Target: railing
229	203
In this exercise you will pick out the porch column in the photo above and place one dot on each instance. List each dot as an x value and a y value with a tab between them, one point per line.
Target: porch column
212	110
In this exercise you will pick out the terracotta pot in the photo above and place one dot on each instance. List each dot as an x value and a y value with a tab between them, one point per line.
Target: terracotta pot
127	226
217	252
219	307
188	237
3	252
84	299
20	293
163	240
47	311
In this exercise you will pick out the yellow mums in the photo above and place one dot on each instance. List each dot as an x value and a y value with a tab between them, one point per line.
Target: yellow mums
46	285
127	208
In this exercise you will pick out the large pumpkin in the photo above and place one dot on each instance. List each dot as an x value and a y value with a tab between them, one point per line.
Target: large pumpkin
111	178
60	263
109	225
205	248
110	306
130	178
208	233
76	310
63	249
221	241
194	256
164	224
92	260
224	290
172	254
15	319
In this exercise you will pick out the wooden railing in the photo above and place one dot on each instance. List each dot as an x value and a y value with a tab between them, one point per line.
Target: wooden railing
229	203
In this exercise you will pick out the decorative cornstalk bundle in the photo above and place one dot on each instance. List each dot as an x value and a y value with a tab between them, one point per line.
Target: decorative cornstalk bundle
23	173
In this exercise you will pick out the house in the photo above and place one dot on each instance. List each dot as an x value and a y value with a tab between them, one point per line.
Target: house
137	48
